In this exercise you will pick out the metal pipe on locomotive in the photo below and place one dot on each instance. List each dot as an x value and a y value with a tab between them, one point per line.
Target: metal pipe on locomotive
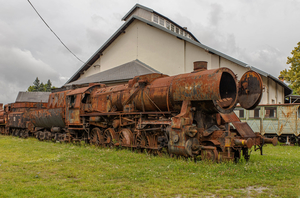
186	115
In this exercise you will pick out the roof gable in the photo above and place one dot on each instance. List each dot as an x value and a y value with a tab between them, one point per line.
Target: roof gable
165	20
135	7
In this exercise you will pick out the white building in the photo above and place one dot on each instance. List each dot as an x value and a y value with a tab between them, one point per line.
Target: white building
149	42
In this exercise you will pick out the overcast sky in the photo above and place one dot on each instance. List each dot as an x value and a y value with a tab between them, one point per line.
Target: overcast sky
260	33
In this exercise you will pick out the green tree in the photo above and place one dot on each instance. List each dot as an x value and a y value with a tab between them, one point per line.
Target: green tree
40	86
292	75
36	85
48	86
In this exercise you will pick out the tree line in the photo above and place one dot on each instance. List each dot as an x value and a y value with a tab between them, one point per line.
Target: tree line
40	86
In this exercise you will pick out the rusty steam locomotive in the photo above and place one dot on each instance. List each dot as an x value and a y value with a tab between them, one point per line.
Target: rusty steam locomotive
188	115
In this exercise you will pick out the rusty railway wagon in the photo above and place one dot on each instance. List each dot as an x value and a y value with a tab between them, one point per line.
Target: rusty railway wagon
186	115
280	120
17	115
2	119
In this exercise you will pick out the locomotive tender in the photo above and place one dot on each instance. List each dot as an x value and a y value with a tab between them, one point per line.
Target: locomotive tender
15	117
186	115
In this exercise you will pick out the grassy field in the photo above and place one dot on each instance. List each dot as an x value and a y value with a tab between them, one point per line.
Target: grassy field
29	168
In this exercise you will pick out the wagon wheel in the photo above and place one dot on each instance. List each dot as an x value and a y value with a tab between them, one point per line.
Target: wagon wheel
96	137
7	131
109	137
17	132
41	136
14	131
26	134
152	141
141	142
67	138
21	133
47	136
61	137
210	155
126	137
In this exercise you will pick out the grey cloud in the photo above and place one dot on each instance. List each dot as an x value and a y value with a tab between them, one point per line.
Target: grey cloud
215	14
19	69
268	59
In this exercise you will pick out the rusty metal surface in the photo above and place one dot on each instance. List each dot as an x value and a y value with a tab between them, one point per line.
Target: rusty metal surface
230	117
155	92
79	101
243	128
186	115
54	115
2	121
204	85
208	85
250	90
18	117
83	89
48	118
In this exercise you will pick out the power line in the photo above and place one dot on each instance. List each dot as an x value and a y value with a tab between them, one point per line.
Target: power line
54	32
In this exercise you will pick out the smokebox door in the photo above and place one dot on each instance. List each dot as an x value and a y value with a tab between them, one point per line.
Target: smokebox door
250	90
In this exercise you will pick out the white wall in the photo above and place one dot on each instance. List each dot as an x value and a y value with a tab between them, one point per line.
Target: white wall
160	50
169	55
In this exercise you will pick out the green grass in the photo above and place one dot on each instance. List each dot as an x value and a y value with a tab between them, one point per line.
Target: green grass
29	168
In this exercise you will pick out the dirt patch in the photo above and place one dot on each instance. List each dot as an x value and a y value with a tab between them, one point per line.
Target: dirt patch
251	191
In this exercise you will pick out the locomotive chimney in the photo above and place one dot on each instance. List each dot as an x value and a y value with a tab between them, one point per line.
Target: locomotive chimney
200	66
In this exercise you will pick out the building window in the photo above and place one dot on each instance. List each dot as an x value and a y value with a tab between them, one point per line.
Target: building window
270	112
254	113
172	27
161	21
168	25
240	113
177	30
155	18
181	32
